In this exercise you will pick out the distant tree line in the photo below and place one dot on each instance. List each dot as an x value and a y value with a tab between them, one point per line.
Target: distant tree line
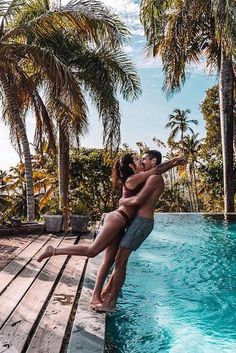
198	187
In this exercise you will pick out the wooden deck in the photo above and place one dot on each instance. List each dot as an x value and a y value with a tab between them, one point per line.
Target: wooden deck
44	306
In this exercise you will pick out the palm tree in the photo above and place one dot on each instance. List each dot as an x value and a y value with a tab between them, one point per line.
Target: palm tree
22	64
179	123
91	47
210	27
158	142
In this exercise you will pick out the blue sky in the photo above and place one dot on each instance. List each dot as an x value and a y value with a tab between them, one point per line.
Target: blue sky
143	119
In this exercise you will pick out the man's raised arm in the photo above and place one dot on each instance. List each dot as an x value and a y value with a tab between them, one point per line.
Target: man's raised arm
140	178
145	191
164	167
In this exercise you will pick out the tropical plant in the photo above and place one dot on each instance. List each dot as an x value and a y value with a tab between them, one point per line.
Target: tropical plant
191	148
88	39
159	143
26	68
210	28
90	181
210	170
179	123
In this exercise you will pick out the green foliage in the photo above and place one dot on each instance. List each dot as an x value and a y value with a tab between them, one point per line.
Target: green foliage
181	32
172	201
210	108
210	154
79	208
90	171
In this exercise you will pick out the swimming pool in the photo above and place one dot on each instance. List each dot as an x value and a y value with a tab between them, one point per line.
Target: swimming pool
180	291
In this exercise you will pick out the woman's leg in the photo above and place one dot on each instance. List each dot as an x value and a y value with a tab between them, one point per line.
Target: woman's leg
108	260
113	224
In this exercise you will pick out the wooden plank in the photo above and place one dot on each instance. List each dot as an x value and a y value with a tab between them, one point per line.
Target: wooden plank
50	333
19	262
17	289
88	330
15	332
10	247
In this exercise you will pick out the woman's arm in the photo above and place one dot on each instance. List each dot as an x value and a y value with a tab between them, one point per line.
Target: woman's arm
150	186
137	179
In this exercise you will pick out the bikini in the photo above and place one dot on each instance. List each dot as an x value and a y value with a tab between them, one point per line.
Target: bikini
126	192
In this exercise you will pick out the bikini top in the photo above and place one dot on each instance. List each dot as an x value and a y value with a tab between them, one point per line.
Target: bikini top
126	192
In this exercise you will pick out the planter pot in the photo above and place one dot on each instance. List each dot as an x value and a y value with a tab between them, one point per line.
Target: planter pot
16	222
79	223
53	223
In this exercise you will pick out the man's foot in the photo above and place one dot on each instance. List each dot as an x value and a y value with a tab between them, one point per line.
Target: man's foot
94	303
47	253
105	295
105	308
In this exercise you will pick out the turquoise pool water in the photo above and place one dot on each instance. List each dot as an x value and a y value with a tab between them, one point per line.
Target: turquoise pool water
180	291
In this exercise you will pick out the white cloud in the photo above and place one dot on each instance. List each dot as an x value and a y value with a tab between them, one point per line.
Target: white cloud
128	49
123	6
128	10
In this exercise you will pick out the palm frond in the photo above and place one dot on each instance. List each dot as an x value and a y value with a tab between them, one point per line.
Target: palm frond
89	20
45	199
194	121
44	124
8	8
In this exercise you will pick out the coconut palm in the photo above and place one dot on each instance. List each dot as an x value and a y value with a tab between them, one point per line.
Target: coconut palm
21	64
210	28
158	142
179	123
88	39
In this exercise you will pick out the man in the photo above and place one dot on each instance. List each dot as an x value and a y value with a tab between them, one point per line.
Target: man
138	230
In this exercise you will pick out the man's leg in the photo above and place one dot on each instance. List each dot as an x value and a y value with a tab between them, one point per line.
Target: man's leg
108	260
116	281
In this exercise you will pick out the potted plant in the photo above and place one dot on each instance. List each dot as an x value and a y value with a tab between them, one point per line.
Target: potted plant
79	217
53	221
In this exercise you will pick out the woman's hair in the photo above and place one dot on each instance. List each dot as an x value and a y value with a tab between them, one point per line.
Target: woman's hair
121	169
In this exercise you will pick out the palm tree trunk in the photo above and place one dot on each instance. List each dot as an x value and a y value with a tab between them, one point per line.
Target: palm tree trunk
63	173
234	143
25	145
195	187
226	119
191	188
190	196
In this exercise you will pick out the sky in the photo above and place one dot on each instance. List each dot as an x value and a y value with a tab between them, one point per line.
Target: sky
145	118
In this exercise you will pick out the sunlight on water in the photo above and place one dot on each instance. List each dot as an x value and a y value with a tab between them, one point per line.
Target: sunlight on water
180	292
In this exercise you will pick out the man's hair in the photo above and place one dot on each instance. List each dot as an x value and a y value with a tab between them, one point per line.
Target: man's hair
154	154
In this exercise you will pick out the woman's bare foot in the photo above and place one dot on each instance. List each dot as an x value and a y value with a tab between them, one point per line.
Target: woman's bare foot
47	253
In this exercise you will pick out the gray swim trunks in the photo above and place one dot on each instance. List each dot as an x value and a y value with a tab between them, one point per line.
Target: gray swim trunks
137	232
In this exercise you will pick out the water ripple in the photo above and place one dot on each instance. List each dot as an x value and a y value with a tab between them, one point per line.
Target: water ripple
179	295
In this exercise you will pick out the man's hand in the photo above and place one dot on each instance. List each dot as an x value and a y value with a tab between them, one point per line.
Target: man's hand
180	160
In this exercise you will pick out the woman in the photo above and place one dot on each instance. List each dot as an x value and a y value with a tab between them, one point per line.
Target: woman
126	170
